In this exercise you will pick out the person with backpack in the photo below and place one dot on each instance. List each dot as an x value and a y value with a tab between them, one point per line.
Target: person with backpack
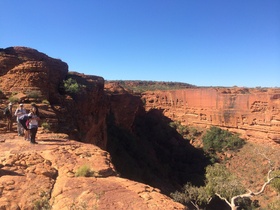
19	112
8	115
24	121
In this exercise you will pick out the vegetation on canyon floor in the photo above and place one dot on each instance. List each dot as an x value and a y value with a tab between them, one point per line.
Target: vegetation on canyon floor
220	182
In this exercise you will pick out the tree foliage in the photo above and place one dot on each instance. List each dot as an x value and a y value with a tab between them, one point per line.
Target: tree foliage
276	182
218	140
218	181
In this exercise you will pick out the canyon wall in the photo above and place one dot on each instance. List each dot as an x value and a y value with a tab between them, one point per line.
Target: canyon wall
255	113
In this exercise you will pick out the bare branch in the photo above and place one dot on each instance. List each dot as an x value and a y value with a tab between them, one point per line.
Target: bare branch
250	193
195	205
222	198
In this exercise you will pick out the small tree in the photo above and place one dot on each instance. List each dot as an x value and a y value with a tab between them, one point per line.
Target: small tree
197	196
271	176
220	182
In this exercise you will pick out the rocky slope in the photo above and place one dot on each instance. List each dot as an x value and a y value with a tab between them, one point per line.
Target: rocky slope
43	176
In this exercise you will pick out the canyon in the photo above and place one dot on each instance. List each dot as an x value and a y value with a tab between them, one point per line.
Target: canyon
124	136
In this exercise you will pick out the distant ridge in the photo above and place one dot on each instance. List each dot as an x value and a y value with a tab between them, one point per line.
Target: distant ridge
142	85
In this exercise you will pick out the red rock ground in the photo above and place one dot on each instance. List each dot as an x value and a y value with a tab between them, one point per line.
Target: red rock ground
44	173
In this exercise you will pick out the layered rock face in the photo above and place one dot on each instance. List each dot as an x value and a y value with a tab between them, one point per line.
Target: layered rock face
27	75
28	71
255	113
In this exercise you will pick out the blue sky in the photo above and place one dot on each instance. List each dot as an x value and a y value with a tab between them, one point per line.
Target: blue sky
201	42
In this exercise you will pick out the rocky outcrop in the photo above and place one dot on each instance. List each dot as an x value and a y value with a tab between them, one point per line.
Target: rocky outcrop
255	113
30	72
31	76
46	175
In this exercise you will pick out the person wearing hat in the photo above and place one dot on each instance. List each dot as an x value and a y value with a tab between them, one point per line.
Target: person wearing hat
19	112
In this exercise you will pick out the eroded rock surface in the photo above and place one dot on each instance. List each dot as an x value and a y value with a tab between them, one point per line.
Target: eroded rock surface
255	113
45	174
30	72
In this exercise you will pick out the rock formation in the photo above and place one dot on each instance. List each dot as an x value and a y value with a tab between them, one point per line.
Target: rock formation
28	71
46	175
255	113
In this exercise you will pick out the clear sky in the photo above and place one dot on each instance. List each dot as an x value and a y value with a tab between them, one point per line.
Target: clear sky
201	42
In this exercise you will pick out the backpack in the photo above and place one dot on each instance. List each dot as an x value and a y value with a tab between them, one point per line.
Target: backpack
6	112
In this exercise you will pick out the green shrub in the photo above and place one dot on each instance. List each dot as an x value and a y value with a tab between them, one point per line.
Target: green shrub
14	99
275	183
84	171
46	126
218	140
33	94
71	86
187	132
45	101
43	202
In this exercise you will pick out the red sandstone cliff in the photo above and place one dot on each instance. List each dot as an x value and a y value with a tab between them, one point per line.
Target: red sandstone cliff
25	70
255	113
31	76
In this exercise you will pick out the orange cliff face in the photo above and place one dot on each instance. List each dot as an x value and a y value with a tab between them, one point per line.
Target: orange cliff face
255	113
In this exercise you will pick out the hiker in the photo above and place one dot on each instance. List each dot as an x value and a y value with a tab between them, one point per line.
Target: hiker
33	123
34	109
19	112
9	117
23	119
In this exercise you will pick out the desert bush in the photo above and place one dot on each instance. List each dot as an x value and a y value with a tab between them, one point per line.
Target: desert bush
14	99
45	101
71	86
46	126
84	171
33	94
43	202
187	132
276	182
218	140
191	194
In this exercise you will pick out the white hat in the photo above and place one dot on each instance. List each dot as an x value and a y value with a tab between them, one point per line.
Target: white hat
20	104
10	104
